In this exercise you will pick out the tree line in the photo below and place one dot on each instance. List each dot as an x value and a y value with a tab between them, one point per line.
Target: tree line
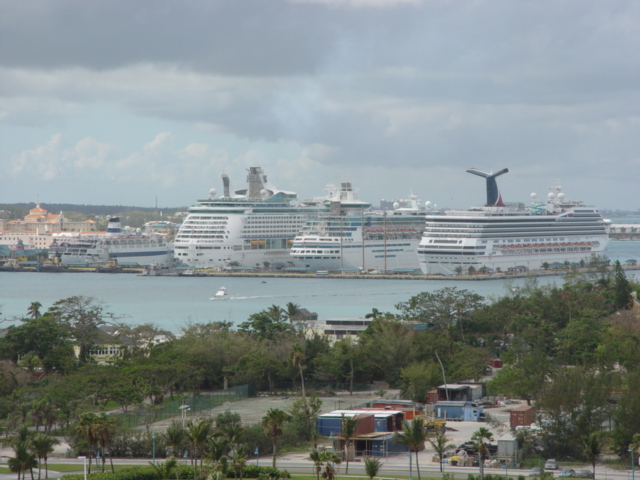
570	350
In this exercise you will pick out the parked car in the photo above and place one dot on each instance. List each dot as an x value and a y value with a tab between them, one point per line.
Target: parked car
551	464
582	474
535	472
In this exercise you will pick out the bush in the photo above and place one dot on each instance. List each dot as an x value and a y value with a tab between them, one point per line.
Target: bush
254	471
142	472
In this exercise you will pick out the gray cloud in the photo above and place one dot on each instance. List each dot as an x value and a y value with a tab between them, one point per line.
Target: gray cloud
549	87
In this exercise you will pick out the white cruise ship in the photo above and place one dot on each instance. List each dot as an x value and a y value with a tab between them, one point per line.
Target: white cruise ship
249	228
511	236
349	236
126	247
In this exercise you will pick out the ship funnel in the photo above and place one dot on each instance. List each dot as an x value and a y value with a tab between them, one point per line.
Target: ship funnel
494	199
225	185
254	179
113	227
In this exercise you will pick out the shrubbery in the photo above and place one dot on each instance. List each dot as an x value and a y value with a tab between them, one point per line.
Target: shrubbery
181	472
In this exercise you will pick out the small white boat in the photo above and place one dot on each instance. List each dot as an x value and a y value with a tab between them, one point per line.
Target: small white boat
221	294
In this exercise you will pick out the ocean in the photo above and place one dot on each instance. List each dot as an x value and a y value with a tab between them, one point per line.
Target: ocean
172	303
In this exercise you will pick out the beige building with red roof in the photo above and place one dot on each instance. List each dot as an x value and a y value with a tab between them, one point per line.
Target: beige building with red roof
40	221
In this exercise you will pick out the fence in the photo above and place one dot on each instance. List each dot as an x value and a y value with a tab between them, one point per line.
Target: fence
145	415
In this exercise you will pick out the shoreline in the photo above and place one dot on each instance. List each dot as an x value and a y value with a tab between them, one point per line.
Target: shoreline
204	273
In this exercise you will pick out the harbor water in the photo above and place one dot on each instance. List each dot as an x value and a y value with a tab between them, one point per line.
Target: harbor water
172	303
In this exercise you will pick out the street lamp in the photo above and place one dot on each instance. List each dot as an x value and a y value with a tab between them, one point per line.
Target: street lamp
84	462
153	442
97	459
257	452
410	465
184	409
506	471
633	470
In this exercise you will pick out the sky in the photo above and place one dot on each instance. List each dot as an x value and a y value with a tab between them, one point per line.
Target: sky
132	103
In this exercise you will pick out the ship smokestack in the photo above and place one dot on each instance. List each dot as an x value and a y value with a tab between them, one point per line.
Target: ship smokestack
113	227
225	185
254	180
494	199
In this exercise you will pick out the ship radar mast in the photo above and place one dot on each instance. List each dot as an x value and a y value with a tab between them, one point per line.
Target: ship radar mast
494	199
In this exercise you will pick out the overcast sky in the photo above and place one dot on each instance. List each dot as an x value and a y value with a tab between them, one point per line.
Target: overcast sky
122	102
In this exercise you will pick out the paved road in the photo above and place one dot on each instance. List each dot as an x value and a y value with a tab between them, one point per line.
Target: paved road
394	466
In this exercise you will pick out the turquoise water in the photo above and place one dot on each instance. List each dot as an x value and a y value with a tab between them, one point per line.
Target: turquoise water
173	302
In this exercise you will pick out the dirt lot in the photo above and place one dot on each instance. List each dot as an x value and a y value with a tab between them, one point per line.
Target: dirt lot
252	410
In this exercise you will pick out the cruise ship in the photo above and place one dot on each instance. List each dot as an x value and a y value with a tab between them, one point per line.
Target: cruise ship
347	235
502	236
247	228
126	246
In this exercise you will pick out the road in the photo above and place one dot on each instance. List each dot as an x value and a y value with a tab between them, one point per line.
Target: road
395	466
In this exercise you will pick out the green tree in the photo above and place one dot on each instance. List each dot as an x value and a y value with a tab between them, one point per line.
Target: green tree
272	423
105	429
174	437
297	358
238	458
592	446
444	307
291	311
84	315
198	433
621	287
164	470
441	446
348	427
329	459
372	466
22	459
34	310
266	325
42	446
87	428
413	436
479	438
316	458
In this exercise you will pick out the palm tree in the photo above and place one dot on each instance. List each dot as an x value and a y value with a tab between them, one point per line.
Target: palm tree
413	435
239	459
316	458
217	453
480	437
105	430
441	446
164	469
272	423
42	446
174	437
634	446
372	466
329	459
349	425
291	311
592	447
375	313
232	432
34	310
297	356
198	433
87	429
22	460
